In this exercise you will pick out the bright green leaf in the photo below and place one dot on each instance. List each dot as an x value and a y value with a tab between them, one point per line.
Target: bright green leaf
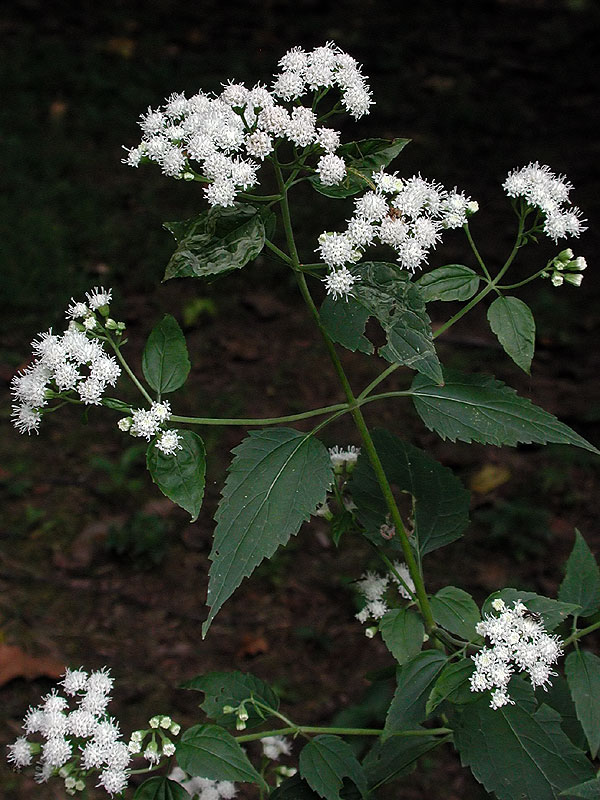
453	282
581	583
590	790
518	754
324	763
180	476
441	511
216	241
553	612
453	685
230	689
415	680
208	751
397	756
402	631
362	158
345	323
512	322
165	361
160	789
456	611
276	481
583	676
478	408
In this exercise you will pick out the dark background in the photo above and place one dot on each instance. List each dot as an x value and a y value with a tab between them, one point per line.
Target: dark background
480	87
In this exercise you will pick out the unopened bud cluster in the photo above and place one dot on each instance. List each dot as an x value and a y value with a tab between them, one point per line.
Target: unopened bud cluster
153	743
565	268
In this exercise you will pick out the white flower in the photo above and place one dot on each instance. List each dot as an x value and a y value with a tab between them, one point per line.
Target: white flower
90	391
19	753
161	411
56	752
26	419
144	424
404	573
221	193
341	457
113	781
339	283
276	746
169	443
98	297
372	585
372	206
328	139
337	249
301	127
331	170
259	144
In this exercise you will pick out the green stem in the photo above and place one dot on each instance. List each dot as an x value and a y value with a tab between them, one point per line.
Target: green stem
307	729
315	412
574	637
522	283
283	256
480	260
128	370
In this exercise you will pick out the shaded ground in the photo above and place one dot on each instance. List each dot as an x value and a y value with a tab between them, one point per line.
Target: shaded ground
480	88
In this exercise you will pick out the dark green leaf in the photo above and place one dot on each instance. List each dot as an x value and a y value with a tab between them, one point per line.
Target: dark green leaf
208	751
160	789
324	763
116	405
441	502
558	697
512	322
518	754
165	361
583	676
180	476
276	481
589	790
581	583
453	282
397	756
402	631
230	689
552	611
294	789
362	158
415	680
456	611
478	408
453	685
216	241
345	323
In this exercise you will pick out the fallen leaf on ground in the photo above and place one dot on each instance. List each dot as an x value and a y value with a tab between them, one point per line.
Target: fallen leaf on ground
489	477
15	663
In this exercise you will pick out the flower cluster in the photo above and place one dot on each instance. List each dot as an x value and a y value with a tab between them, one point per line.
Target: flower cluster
344	460
203	788
74	361
147	423
408	215
565	268
229	135
275	746
76	741
373	587
519	643
160	745
541	188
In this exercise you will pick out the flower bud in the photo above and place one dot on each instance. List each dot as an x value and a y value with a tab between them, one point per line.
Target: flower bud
578	263
154	722
110	324
240	725
168	749
228	709
124	424
242	713
70	783
574	278
104	310
79	786
472	208
188	176
557	279
370	632
565	255
166	722
175	728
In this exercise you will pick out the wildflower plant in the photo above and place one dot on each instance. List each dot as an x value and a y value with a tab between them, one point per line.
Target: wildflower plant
487	682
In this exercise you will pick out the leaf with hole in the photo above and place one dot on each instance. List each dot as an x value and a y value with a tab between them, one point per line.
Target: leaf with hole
324	764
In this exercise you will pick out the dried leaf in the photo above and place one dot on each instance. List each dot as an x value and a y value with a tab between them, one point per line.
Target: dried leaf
15	663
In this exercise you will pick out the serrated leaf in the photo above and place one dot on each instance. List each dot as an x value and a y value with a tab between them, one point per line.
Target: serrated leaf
478	408
456	611
345	323
453	282
415	680
160	789
276	481
583	676
441	510
389	295
230	689
208	751
512	322
519	754
402	631
362	158
553	612
293	788
397	756
453	685
165	361
180	476
581	583
215	242
558	697
324	763
590	790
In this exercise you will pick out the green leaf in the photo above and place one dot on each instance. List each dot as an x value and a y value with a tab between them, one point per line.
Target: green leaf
230	689
415	680
581	583
589	790
453	685
402	631
512	322
116	405
293	788
478	408
215	242
324	763
397	756
160	789
363	157
552	611
453	282
390	296
345	323
583	676
441	510
456	611
165	361
276	481
208	751
558	697
180	476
